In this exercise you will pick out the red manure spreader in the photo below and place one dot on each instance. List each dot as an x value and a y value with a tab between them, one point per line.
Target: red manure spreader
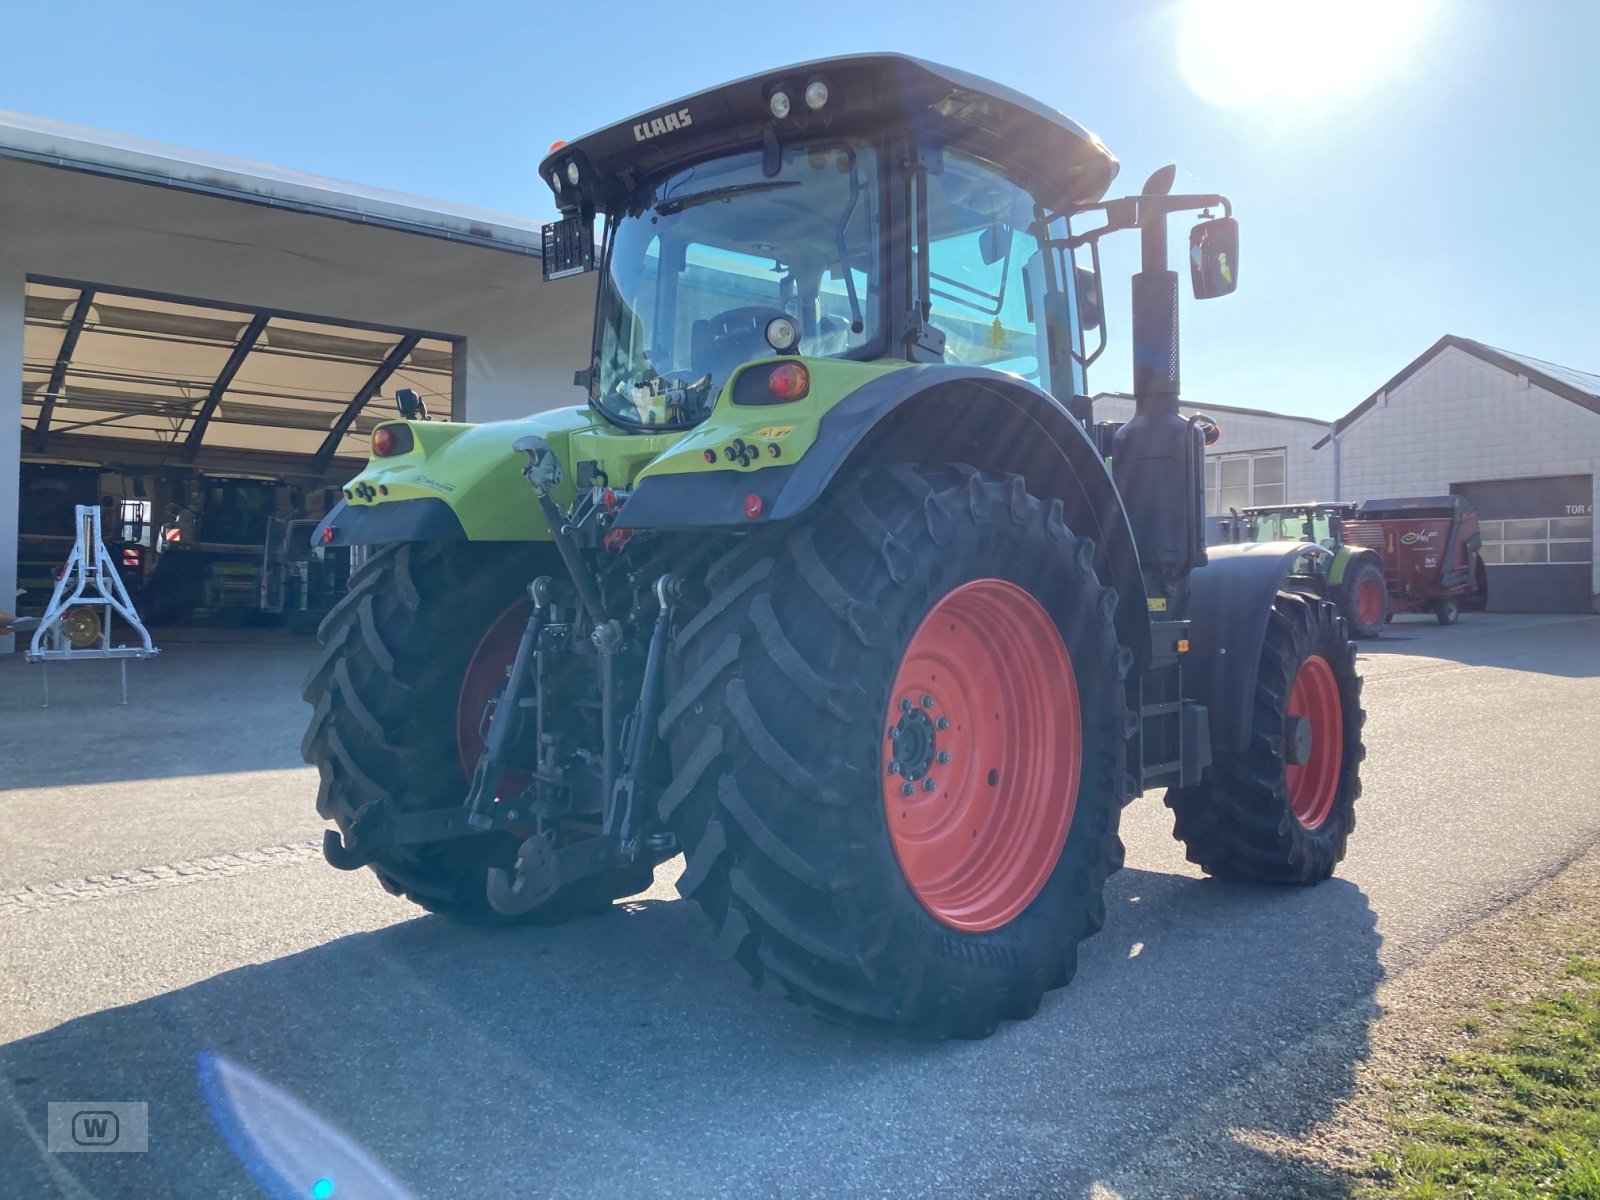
1429	546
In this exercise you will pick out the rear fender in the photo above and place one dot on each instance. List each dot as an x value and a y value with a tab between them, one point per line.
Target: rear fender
1230	599
458	482
927	414
1346	558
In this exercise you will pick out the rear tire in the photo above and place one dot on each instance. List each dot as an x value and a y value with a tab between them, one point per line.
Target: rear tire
1254	817
778	720
1447	611
383	727
1364	599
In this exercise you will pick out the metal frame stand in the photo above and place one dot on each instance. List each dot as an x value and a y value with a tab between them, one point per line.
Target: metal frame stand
90	578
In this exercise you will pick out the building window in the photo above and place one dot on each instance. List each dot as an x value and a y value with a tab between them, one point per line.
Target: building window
1529	540
1244	480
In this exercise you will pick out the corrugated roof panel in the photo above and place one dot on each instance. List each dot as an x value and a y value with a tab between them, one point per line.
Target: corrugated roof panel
1583	381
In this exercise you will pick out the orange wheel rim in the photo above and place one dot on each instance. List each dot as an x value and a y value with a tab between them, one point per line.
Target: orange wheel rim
1314	784
1369	601
983	751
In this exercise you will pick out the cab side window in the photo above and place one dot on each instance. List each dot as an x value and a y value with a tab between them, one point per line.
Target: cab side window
985	270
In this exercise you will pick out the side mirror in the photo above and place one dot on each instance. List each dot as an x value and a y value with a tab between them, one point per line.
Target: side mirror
410	405
1091	304
994	243
1214	257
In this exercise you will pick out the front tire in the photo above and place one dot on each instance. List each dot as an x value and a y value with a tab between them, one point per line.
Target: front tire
1447	611
809	694
1364	600
1257	816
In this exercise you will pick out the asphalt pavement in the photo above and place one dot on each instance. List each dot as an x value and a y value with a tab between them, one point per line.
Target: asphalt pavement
162	900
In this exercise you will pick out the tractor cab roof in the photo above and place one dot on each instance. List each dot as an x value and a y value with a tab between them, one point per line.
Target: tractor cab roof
1343	509
862	95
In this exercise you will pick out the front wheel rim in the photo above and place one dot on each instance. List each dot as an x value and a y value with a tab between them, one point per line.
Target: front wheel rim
1314	785
1369	601
982	755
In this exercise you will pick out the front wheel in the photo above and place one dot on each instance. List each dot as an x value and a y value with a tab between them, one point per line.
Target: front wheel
896	730
1364	600
1282	809
1447	611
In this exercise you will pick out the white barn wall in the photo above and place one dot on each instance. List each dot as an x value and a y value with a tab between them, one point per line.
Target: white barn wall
1459	419
1309	475
11	319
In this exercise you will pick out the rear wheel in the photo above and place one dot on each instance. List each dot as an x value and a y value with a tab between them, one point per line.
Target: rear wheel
1282	810
1447	611
411	655
1364	599
896	730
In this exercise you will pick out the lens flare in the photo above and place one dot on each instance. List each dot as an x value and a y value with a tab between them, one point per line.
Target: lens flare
288	1150
1241	52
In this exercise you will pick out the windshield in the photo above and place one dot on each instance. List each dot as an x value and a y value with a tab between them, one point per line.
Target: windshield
713	253
1297	526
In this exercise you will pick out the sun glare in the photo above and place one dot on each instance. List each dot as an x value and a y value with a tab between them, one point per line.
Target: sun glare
1239	52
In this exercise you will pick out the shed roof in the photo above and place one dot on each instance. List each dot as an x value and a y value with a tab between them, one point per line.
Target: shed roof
1580	387
118	155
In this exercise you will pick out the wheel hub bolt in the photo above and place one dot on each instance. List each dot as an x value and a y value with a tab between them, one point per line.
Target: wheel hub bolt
907	789
894	768
928	785
943	756
905	705
942	723
927	702
894	734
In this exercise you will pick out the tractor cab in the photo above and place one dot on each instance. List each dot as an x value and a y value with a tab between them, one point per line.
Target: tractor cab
864	208
1319	523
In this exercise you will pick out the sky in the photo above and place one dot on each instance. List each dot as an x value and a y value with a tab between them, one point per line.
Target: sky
1401	169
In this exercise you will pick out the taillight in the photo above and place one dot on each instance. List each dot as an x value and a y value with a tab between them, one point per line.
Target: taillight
389	440
789	381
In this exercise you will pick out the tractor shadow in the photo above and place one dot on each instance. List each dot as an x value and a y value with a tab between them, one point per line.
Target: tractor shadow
613	1056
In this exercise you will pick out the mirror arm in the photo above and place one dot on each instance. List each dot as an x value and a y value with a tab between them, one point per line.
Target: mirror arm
1130	212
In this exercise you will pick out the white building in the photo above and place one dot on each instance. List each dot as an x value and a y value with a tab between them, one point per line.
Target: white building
1518	437
173	315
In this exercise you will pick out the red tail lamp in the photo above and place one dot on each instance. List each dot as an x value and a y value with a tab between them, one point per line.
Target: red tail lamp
390	440
789	381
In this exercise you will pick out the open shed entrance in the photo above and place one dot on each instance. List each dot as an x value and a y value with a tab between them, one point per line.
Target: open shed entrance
213	436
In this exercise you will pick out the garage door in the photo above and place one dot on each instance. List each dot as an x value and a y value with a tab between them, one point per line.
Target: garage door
1538	542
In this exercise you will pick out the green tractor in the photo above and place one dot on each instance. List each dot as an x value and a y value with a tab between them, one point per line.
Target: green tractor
833	585
1352	575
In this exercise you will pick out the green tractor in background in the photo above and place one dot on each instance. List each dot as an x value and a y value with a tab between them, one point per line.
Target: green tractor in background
833	585
1352	575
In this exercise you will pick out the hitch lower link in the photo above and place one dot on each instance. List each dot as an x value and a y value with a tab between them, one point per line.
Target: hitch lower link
374	828
542	868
